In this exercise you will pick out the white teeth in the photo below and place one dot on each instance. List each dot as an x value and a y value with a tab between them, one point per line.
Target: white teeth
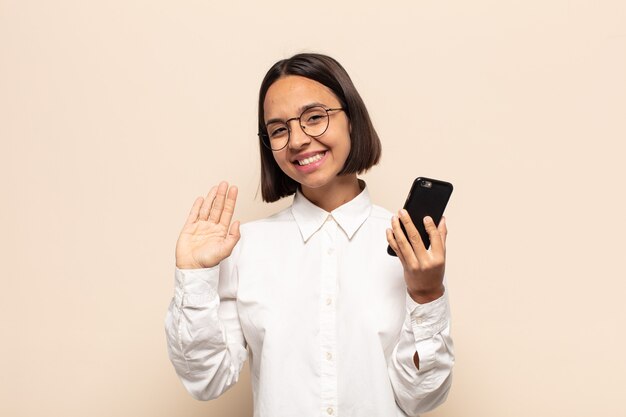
311	159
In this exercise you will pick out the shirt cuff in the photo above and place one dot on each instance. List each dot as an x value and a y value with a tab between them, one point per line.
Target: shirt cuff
428	319
196	287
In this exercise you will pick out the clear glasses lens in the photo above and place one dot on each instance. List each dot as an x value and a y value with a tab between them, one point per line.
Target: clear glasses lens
314	122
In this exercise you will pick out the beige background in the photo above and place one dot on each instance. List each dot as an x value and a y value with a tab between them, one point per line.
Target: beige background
115	115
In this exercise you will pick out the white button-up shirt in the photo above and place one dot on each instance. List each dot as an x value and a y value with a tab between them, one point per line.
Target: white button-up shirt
322	311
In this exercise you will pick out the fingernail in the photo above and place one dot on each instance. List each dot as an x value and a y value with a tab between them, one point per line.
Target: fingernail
404	212
428	219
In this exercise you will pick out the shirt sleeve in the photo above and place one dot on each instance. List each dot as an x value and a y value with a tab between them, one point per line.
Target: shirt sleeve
204	337
426	329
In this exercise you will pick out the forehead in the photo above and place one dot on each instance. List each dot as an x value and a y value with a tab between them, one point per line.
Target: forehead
290	94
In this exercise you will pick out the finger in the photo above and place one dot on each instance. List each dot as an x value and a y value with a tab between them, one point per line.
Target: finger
195	210
404	247
413	234
394	245
218	203
206	205
443	231
436	242
229	206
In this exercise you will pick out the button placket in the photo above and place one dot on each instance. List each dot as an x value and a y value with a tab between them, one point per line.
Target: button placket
328	326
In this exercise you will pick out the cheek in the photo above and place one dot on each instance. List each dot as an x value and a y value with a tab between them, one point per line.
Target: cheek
347	145
344	139
281	159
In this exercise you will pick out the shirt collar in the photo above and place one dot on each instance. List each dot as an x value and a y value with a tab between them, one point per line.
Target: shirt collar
350	216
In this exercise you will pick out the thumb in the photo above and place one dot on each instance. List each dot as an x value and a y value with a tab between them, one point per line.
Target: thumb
233	234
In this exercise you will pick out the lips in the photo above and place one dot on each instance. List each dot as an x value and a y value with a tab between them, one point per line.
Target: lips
310	162
309	158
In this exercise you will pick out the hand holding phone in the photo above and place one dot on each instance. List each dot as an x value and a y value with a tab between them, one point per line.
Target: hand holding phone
423	268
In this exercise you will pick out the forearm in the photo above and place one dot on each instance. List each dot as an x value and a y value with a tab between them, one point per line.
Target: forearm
421	365
205	343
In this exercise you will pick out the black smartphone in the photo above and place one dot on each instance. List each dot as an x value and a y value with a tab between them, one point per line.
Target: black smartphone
428	197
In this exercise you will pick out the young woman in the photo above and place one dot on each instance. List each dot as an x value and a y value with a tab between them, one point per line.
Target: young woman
332	325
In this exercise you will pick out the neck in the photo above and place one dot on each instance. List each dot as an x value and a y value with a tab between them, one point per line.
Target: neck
335	194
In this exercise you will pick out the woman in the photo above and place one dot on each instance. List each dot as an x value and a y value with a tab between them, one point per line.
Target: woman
332	324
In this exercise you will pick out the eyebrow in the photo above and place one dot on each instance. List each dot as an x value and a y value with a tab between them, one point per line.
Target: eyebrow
300	110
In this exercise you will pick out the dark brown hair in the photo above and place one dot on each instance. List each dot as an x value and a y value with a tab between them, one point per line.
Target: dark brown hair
365	147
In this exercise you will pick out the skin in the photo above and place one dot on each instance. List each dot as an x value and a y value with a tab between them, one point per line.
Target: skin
208	236
284	99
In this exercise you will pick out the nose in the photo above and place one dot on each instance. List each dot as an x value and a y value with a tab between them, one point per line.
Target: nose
297	137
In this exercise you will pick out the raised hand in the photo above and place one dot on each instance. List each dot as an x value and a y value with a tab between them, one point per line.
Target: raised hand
207	236
423	268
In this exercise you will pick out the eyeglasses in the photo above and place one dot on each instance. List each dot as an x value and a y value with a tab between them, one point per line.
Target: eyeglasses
313	121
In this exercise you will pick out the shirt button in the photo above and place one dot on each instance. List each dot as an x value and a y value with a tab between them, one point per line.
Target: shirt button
329	301
330	251
330	410
329	355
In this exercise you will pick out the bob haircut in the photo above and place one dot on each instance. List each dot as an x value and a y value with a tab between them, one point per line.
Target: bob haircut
365	147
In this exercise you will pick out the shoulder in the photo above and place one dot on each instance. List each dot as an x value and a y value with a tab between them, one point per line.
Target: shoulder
259	238
380	214
276	220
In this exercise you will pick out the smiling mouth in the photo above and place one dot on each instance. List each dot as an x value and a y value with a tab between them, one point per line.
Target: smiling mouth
312	159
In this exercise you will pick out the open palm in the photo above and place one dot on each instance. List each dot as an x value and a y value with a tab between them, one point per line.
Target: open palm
207	236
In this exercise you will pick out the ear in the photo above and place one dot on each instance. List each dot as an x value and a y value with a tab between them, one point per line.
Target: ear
350	127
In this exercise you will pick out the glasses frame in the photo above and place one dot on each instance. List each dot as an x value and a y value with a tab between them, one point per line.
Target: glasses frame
267	136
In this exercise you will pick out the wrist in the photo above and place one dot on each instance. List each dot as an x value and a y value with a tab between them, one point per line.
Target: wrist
426	296
190	266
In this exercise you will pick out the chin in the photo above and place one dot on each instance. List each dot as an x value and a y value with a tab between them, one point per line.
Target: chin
309	182
313	183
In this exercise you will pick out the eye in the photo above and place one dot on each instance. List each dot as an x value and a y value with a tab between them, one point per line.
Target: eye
314	116
277	131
